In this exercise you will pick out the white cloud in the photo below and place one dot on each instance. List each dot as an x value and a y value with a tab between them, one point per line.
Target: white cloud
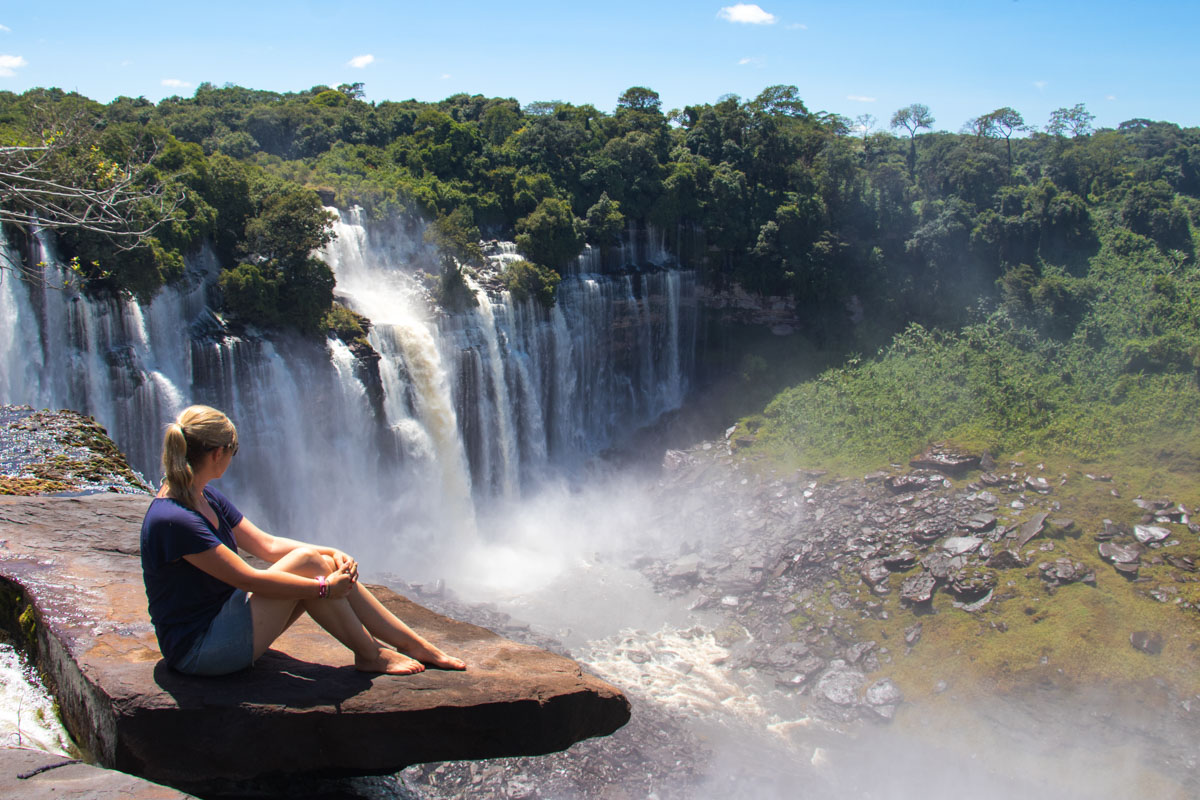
1041	84
175	83
752	62
360	62
797	26
9	65
1111	97
5	28
747	13
445	76
860	98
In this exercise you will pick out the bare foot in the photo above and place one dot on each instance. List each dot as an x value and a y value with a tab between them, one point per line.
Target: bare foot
431	656
389	662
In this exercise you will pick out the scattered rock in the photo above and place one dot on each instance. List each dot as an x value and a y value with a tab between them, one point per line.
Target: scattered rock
840	685
961	545
1150	533
1150	642
1120	553
946	458
1064	571
918	589
972	583
1031	529
981	523
1004	559
875	574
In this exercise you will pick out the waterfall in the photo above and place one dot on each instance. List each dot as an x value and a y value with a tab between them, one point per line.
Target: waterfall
388	455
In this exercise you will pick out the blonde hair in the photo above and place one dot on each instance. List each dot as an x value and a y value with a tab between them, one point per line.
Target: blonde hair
196	431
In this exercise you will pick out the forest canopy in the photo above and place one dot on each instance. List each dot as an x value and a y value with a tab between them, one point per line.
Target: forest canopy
763	192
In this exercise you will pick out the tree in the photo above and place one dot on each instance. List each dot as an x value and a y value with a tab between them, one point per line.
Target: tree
56	176
1002	122
550	236
912	118
604	222
639	98
1075	120
864	124
781	100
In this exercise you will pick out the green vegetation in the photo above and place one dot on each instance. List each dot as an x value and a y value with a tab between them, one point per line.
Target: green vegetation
1089	366
524	280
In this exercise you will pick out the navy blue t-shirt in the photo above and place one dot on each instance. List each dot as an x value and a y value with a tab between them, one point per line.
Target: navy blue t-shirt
184	599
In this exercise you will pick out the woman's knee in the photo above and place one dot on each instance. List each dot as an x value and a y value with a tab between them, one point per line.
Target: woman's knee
306	561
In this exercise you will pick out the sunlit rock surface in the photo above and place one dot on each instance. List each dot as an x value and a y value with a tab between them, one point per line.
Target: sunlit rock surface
303	708
37	775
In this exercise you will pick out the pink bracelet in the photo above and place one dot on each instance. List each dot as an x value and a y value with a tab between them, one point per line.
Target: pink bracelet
322	587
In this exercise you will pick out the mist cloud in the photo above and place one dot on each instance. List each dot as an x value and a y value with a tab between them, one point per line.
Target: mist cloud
747	13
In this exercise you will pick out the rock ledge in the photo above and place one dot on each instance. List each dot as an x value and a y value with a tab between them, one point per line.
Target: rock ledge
70	582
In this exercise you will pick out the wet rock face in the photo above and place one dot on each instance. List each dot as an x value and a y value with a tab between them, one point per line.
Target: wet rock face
75	562
60	452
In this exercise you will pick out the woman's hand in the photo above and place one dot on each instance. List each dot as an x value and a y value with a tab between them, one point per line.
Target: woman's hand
341	560
341	581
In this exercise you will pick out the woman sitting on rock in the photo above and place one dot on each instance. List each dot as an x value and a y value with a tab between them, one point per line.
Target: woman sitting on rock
213	613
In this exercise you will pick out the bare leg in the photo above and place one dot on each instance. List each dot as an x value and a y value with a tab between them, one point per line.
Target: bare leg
387	627
273	615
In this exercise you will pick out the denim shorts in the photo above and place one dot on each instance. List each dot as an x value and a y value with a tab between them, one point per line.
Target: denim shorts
228	644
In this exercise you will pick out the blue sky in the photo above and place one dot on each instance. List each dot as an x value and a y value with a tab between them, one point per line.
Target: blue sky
962	59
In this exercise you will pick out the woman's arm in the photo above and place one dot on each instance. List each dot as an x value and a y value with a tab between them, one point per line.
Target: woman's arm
228	567
257	542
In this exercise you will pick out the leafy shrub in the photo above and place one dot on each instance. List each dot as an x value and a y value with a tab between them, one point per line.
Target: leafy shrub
525	280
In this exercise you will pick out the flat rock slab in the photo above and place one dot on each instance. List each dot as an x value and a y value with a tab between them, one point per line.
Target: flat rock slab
302	709
34	775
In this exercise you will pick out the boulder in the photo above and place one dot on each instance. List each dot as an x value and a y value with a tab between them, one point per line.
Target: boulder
70	577
946	458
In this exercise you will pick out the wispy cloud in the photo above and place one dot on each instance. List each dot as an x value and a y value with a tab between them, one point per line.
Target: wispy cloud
860	98
10	64
1110	97
360	62
175	83
756	61
748	14
1041	84
796	26
445	76
5	29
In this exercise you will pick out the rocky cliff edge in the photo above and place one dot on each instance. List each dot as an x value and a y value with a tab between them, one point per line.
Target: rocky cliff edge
70	583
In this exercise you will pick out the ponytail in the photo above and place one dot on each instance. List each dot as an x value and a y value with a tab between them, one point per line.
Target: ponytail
198	430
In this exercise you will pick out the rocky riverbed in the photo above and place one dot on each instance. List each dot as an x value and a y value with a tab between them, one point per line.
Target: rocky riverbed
900	611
